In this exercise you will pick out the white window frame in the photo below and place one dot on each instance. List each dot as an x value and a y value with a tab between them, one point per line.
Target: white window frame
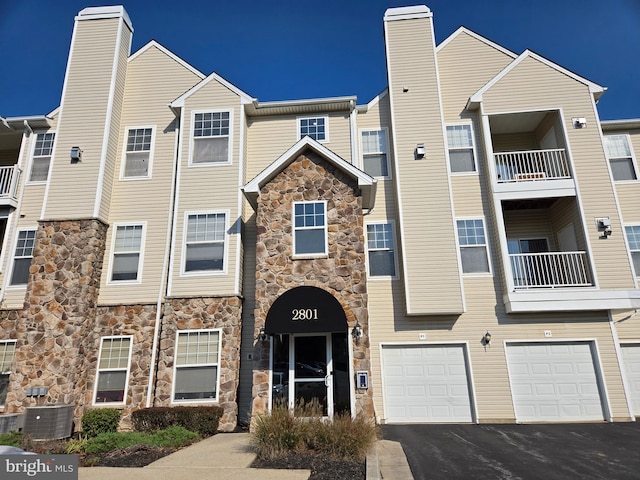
634	163
229	137
385	132
119	369
294	230
629	249
3	360
486	247
310	117
123	163
14	257
217	365
473	148
225	247
114	234
33	158
394	248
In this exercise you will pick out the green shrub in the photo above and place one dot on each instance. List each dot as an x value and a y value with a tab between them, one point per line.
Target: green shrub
100	420
204	419
174	436
280	433
12	439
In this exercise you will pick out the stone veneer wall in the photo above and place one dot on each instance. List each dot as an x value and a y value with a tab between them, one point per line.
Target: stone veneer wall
137	321
342	273
203	313
59	308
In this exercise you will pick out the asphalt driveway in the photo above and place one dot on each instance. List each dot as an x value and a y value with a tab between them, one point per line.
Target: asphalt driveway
604	451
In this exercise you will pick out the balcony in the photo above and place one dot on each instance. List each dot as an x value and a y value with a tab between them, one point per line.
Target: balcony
9	177
532	165
549	270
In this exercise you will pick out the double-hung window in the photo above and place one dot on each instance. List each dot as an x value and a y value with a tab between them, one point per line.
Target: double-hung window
633	238
314	127
381	250
205	238
7	351
211	134
473	246
461	151
310	228
374	153
127	245
196	366
22	257
618	148
41	160
113	370
138	153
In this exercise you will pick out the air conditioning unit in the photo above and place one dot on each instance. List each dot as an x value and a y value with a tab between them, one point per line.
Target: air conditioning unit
48	422
11	422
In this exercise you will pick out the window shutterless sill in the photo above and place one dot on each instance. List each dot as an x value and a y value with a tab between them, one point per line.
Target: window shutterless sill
309	256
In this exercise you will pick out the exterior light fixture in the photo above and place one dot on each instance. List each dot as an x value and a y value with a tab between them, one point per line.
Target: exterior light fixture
604	226
262	336
420	150
76	155
486	339
356	333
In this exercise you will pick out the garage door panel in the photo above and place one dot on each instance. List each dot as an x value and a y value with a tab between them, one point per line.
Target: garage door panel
554	382
439	394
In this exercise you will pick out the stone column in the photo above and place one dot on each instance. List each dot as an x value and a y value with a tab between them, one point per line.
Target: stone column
59	312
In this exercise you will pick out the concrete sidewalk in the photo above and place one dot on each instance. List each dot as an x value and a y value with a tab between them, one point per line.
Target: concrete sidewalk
228	456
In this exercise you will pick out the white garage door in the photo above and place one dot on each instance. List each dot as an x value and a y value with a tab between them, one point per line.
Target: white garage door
554	382
631	359
426	383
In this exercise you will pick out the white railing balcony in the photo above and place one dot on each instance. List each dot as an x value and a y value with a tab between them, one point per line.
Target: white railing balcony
9	182
550	270
532	165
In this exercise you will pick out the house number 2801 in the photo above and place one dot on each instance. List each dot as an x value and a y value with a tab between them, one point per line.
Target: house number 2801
304	314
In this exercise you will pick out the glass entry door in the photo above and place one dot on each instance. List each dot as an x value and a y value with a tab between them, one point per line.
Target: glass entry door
311	363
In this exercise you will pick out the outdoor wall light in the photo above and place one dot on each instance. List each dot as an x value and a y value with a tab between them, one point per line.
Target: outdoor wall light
420	150
356	333
76	154
262	336
486	339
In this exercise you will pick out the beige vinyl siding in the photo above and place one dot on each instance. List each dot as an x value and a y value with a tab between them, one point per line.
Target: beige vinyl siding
249	333
562	213
466	64
534	223
489	365
627	325
532	85
432	277
153	80
271	136
84	118
212	188
110	172
513	142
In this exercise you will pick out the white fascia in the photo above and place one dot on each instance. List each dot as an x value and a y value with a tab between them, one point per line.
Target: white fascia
244	97
373	102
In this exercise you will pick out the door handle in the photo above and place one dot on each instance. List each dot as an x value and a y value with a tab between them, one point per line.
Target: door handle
326	379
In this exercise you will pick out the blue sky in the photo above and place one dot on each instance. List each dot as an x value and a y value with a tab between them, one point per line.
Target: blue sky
282	50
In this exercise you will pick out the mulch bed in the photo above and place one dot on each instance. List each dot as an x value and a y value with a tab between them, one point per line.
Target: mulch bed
322	467
133	456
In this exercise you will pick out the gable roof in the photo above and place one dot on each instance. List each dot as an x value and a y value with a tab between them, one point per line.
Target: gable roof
169	53
366	182
179	102
478	37
475	100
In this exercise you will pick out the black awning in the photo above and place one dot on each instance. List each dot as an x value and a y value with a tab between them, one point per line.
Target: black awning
306	310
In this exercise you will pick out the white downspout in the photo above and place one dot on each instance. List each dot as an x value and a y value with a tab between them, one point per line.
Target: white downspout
165	266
